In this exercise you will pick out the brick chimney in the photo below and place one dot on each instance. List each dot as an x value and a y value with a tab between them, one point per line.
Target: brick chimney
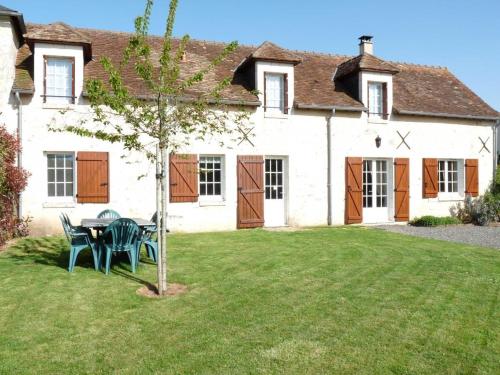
365	45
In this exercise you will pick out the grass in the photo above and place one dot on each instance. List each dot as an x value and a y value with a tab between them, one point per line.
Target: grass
342	300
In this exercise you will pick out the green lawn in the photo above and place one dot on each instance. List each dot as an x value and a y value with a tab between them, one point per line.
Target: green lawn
341	300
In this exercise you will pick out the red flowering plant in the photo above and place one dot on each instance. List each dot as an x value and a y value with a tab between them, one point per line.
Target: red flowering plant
13	180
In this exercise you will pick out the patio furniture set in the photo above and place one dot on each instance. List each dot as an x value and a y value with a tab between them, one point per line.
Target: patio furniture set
114	235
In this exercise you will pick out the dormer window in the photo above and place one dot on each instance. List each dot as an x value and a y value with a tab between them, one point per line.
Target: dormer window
377	100
275	93
59	86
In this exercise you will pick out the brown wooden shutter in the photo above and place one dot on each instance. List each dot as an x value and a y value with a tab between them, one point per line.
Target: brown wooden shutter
384	101
402	189
250	172
285	94
472	177
183	178
93	177
429	178
353	190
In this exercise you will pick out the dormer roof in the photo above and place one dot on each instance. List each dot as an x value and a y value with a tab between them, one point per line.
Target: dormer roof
268	51
60	33
365	62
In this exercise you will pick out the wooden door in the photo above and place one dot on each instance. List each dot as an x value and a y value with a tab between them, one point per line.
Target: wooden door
250	191
353	190
402	189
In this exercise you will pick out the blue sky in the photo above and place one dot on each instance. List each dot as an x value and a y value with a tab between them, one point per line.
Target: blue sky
463	35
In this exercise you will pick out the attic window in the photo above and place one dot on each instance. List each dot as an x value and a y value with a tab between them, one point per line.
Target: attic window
275	93
377	100
59	80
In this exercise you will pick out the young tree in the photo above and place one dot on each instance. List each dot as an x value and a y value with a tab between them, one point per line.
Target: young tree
173	113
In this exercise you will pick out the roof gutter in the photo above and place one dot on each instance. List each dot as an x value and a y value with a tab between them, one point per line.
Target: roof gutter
248	103
331	107
446	115
496	148
18	20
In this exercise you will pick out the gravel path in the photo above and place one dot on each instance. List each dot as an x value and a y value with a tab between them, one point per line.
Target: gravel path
469	234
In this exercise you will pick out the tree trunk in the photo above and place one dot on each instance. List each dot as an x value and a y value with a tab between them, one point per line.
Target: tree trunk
159	218
163	258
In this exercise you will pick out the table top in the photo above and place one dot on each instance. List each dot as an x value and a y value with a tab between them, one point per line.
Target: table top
104	222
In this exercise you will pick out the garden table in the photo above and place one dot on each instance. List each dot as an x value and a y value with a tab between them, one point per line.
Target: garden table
101	224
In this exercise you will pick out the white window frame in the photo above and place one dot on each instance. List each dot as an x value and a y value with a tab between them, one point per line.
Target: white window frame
379	115
50	98
213	198
460	193
66	198
280	111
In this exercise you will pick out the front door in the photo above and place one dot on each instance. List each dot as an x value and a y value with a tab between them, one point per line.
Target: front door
250	191
376	178
274	204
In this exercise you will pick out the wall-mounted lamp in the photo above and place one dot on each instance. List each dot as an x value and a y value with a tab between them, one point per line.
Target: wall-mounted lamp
378	141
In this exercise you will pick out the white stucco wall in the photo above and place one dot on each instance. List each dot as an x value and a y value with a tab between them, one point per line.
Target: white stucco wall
427	137
8	53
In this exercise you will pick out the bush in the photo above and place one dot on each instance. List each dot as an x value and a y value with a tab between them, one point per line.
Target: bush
13	180
480	211
434	221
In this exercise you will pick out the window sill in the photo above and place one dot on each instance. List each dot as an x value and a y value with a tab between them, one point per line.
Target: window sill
281	116
59	106
214	203
377	120
446	197
62	204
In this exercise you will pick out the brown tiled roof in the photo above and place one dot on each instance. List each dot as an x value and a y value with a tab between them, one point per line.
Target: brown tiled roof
272	52
422	89
365	62
435	90
24	70
59	32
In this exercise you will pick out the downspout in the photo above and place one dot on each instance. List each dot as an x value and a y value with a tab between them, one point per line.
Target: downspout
496	148
329	156
20	153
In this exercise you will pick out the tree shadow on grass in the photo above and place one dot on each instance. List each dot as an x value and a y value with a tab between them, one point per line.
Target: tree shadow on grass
54	252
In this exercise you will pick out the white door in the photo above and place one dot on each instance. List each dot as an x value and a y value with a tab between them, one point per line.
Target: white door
376	179
274	203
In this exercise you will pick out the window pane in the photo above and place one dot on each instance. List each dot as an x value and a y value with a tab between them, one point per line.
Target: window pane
217	189
60	190
69	189
203	189
51	175
51	190
59	161
60	175
51	161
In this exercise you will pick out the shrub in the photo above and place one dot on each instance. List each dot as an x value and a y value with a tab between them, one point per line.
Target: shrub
13	180
433	221
480	211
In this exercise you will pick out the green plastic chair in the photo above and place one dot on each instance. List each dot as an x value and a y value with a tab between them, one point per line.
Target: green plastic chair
108	214
78	240
121	235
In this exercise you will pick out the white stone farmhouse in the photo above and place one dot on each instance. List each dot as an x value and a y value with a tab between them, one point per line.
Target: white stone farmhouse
336	139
